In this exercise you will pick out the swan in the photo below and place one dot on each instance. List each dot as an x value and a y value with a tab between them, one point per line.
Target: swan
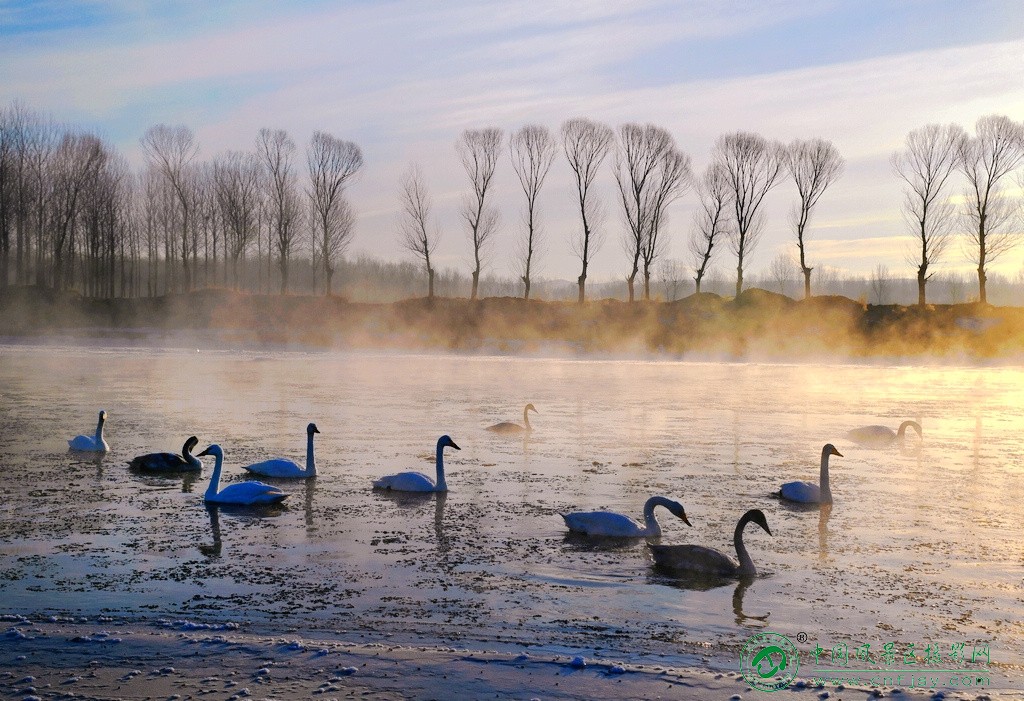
697	559
607	523
91	444
808	493
882	436
417	481
170	462
510	427
282	467
242	493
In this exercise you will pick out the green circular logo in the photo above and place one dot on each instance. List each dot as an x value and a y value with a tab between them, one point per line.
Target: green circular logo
769	661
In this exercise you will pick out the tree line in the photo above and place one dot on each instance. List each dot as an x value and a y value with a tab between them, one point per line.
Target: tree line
74	215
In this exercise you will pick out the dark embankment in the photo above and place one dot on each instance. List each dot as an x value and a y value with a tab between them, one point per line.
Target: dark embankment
757	324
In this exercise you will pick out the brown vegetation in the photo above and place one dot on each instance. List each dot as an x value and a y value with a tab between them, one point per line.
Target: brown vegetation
756	325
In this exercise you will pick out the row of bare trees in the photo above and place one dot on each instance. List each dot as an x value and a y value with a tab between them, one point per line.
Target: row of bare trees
74	215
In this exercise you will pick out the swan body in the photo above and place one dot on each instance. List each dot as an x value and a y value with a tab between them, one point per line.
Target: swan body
417	481
91	444
510	427
240	493
808	492
696	559
613	525
282	467
170	462
882	436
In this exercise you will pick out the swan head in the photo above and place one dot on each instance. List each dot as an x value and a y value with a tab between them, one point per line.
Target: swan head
830	449
190	443
757	516
311	429
531	407
677	510
103	415
446	442
214	450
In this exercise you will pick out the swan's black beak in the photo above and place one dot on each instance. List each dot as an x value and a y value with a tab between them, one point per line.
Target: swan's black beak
836	452
685	520
205	452
452	444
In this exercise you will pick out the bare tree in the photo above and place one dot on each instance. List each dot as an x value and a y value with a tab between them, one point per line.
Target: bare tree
781	271
925	165
237	182
171	150
651	173
711	220
277	151
881	282
418	231
75	164
753	165
985	159
672	273
586	144
332	163
478	149
814	165
533	151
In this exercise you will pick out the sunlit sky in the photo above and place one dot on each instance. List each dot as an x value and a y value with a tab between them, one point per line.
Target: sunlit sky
403	79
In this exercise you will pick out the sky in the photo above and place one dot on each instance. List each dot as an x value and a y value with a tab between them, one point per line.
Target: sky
404	79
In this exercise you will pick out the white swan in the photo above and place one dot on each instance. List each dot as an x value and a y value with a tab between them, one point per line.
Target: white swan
170	462
807	492
696	559
91	444
242	493
613	525
417	481
882	436
510	427
282	467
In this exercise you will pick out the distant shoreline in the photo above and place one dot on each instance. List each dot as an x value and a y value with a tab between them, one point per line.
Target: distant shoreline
756	325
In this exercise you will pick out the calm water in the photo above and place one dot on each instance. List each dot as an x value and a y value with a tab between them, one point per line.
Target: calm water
919	547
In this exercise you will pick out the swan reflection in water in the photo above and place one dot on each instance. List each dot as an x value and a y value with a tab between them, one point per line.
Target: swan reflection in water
693	581
823	516
417	501
213	550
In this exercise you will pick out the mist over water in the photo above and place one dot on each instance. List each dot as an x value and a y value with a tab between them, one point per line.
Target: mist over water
920	546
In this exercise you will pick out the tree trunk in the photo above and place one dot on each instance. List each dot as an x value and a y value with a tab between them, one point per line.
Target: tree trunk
922	280
430	283
476	283
807	282
629	284
739	279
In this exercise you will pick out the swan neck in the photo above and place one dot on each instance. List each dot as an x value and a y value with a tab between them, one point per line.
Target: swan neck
526	420
310	461
211	491
746	568
823	477
99	430
441	484
650	519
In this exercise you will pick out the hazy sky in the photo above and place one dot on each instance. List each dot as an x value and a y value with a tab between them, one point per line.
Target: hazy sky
403	79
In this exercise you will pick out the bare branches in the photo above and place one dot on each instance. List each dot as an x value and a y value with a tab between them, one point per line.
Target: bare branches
171	151
277	152
236	178
478	149
586	144
711	221
753	165
814	165
332	163
418	232
533	150
925	165
985	160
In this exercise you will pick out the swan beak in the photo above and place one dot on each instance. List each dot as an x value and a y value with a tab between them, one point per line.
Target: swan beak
452	444
836	452
685	520
205	452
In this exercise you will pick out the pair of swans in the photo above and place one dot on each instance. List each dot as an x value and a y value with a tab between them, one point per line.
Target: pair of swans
883	436
511	427
91	444
417	481
170	462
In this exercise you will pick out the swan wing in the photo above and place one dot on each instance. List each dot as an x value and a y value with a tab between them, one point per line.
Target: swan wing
604	523
163	462
872	436
278	467
250	493
693	558
87	443
506	427
803	492
406	482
